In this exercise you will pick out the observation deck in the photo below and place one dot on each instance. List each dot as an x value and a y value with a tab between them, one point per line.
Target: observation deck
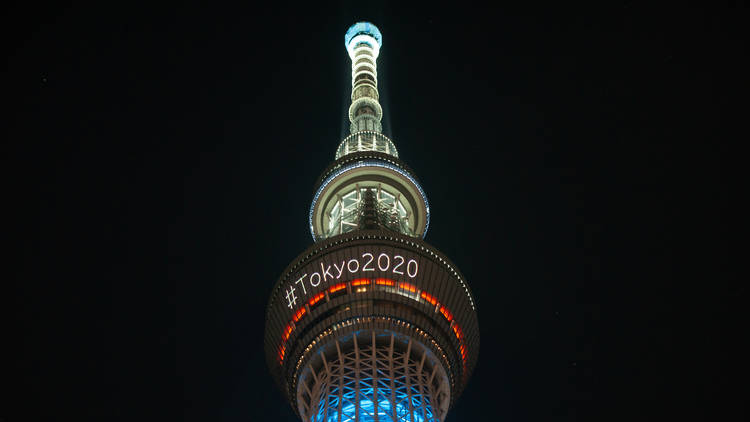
377	291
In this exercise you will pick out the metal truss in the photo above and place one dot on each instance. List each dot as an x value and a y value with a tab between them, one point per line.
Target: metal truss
375	381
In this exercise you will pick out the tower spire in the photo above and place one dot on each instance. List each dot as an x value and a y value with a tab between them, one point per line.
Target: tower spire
366	187
363	41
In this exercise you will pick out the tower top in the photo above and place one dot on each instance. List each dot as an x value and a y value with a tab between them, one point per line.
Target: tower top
363	32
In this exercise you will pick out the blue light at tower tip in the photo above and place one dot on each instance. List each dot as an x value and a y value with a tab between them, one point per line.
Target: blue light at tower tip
363	28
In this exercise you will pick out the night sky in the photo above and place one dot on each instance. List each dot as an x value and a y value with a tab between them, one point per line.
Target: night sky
158	167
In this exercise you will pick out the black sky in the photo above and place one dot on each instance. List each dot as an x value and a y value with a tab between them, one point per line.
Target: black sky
159	165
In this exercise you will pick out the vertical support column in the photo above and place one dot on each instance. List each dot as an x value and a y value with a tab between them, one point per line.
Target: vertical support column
407	374
420	378
374	377
341	380
325	389
392	375
341	215
357	391
369	217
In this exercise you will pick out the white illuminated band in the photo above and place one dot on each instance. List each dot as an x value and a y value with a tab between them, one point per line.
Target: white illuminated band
355	237
363	38
364	66
368	163
377	137
368	262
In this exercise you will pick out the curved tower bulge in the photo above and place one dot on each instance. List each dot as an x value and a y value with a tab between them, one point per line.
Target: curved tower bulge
370	323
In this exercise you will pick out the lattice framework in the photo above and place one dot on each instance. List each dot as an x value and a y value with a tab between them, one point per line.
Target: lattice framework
375	382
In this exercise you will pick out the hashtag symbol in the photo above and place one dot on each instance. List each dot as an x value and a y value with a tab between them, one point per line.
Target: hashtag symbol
291	299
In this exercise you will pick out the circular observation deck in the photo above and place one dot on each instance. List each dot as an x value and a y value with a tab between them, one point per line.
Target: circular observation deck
340	189
371	294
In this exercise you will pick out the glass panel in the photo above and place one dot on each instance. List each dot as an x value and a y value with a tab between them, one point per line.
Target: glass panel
386	198
391	211
401	210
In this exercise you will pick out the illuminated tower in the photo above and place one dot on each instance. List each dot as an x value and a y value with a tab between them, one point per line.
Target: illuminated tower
370	323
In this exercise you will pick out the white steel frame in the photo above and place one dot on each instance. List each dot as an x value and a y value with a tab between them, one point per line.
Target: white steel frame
375	381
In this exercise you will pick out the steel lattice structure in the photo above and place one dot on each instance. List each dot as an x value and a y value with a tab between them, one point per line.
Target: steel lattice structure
370	323
364	375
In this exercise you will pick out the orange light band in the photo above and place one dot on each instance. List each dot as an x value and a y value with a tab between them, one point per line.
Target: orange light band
457	331
287	332
446	313
429	298
317	298
406	286
299	314
380	282
384	282
336	288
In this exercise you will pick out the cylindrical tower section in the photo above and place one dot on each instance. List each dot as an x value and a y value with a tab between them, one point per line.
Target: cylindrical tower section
370	323
363	42
399	202
371	326
373	375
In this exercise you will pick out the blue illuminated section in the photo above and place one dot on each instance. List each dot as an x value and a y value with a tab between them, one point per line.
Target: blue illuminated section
367	411
363	28
368	163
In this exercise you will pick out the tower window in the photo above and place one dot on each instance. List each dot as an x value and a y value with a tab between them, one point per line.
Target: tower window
365	110
363	76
